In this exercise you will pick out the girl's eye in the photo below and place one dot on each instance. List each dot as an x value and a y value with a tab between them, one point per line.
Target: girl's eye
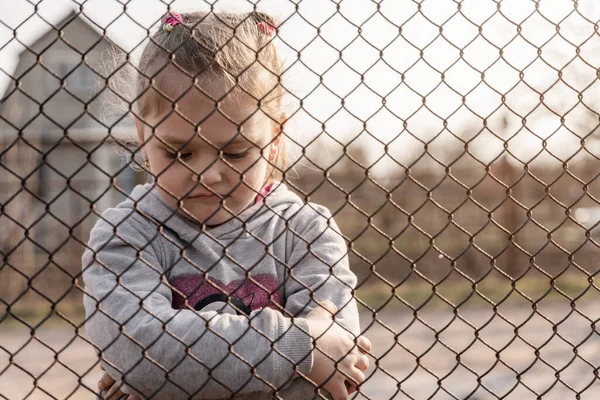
183	156
236	156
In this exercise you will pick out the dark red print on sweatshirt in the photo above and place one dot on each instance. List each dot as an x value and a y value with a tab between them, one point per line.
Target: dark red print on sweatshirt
246	294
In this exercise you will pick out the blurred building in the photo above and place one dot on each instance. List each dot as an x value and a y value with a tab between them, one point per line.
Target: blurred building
57	159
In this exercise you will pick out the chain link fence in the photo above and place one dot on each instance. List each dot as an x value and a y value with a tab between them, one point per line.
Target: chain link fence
454	142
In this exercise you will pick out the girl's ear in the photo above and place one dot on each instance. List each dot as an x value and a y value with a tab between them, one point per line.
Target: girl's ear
276	143
277	129
139	126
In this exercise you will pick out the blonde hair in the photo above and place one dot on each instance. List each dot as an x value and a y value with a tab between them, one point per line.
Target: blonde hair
229	47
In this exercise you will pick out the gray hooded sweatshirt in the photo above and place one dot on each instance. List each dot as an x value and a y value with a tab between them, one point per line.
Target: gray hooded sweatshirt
179	311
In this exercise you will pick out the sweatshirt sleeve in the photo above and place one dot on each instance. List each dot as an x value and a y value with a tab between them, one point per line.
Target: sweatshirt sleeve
176	354
318	268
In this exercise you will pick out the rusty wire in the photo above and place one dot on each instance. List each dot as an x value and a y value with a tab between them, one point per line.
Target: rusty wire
509	212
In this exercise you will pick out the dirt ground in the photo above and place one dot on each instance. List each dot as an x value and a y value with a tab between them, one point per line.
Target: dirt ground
409	359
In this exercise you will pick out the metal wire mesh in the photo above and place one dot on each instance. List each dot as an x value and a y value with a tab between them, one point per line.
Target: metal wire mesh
470	226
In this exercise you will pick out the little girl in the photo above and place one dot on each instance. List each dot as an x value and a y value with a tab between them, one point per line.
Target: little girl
215	281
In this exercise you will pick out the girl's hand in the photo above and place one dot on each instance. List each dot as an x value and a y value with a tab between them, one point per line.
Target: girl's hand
331	339
335	345
115	393
364	346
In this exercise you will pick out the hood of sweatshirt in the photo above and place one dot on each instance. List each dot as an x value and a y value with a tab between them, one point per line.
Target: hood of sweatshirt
147	201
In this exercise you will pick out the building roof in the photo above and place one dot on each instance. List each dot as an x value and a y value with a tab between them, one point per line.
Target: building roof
80	34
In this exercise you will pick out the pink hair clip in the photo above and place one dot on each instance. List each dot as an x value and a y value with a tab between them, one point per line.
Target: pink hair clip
171	20
266	28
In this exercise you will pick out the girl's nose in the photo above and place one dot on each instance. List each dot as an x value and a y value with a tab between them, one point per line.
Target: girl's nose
210	174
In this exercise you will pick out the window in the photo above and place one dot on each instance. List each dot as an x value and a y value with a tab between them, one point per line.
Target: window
81	80
79	77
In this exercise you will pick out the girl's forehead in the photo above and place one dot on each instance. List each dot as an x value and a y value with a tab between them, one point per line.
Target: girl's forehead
215	130
234	116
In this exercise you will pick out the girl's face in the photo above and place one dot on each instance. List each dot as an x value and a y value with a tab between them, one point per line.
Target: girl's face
209	164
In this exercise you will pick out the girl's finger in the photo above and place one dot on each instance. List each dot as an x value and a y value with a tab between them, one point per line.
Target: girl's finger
105	382
114	393
338	391
351	388
364	344
356	377
362	363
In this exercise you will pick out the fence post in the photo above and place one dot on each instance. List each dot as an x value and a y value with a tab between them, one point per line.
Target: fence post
509	218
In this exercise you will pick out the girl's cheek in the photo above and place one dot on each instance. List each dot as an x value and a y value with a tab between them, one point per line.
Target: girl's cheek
253	163
259	166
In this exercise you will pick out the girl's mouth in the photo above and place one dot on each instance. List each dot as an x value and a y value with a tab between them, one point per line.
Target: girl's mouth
203	196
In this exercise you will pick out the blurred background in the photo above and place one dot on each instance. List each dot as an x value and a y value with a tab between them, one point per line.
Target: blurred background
456	143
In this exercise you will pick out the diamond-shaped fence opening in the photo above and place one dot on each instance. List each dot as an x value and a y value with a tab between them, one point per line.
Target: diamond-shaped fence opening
184	186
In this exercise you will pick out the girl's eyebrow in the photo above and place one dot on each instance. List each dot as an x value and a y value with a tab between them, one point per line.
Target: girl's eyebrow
175	141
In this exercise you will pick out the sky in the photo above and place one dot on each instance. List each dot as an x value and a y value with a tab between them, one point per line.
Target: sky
408	72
